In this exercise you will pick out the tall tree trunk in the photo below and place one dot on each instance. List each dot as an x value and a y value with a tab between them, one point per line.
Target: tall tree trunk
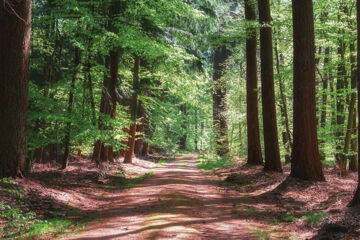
114	75
286	136
252	112
356	199
183	138
271	142
139	142
340	98
15	19
196	130
305	154
131	144
221	54
99	152
351	130
325	88
69	110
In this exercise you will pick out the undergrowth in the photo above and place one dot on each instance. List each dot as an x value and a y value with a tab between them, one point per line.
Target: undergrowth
25	224
126	183
211	162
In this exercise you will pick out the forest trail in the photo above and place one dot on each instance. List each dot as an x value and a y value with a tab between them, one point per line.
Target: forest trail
178	202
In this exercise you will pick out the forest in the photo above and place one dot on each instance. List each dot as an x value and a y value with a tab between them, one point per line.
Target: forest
179	119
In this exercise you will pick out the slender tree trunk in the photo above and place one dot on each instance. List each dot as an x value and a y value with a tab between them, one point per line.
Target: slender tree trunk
252	112
352	129
340	98
114	75
139	142
196	130
131	144
286	136
15	19
356	199
221	54
98	152
271	142
69	110
183	139
305	154
325	88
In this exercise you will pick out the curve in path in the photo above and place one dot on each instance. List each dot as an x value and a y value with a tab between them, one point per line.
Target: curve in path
178	202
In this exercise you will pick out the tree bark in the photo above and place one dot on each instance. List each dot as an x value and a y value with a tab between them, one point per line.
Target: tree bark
305	154
221	54
271	142
183	138
69	110
356	199
139	142
15	19
131	143
252	112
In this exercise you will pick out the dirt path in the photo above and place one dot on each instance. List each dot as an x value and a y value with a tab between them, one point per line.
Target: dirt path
178	202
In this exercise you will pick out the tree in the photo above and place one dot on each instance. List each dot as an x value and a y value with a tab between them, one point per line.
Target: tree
252	112
356	199
305	153
133	108
15	19
271	142
221	54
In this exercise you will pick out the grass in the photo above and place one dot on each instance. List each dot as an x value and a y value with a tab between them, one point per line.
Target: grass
165	161
27	225
215	162
127	183
288	218
263	235
315	217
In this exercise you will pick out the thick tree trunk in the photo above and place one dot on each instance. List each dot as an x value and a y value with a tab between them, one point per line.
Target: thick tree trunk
69	109
305	154
271	142
15	19
131	143
356	199
221	54
252	112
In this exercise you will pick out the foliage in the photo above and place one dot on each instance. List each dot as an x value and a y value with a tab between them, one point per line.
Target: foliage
212	162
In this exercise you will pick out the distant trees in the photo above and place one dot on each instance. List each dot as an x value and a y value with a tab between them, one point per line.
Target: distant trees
15	19
252	112
305	162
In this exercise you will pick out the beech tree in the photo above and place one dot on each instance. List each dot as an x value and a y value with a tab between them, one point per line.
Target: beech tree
305	163
15	20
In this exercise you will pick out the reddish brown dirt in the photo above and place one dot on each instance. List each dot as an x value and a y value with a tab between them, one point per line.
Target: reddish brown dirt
178	202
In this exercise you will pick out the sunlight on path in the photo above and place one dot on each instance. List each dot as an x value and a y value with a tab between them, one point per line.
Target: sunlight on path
178	202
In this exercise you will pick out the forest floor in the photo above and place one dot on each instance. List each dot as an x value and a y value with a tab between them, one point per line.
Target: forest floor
176	200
